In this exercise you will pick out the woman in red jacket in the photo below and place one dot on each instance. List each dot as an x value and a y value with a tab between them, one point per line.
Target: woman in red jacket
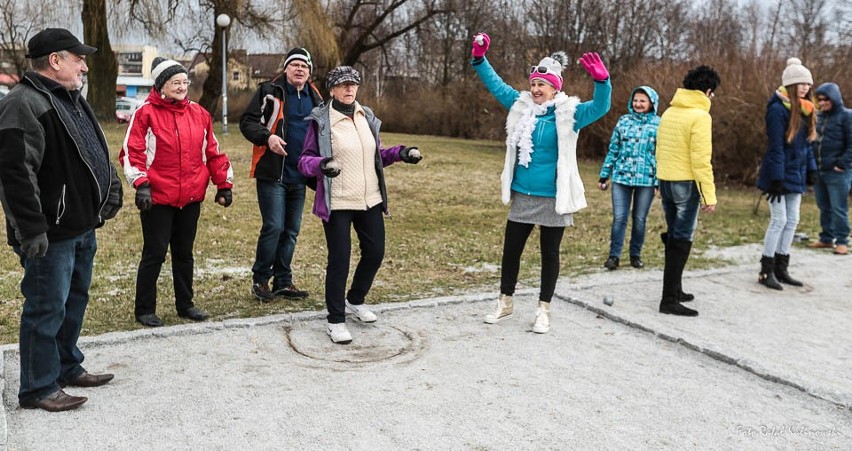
170	155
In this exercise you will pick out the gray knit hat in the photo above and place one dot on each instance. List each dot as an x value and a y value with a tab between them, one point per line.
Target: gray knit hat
795	73
162	70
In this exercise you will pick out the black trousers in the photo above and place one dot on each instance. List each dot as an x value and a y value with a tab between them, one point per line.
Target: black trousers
369	225
513	246
164	228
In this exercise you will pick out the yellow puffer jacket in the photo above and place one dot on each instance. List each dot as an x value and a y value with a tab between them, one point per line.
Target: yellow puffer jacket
685	143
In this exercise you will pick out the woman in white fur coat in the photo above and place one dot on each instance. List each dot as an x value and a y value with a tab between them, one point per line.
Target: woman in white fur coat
540	177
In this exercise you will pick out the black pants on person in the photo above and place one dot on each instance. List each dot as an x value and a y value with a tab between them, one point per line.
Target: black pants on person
513	246
369	225
163	228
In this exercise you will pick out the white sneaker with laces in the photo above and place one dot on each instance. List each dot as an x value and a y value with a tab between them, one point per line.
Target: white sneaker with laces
503	310
338	333
542	318
361	312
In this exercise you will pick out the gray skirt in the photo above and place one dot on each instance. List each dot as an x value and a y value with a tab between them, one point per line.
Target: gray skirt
537	210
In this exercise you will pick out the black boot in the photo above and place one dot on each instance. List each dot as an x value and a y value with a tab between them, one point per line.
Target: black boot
781	263
681	296
767	273
677	253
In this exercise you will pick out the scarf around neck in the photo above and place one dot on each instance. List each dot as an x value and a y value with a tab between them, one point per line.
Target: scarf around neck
521	136
806	105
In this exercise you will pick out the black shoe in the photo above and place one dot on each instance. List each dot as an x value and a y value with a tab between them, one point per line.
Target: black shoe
675	308
767	273
782	262
684	297
636	262
150	320
290	292
611	263
261	291
194	314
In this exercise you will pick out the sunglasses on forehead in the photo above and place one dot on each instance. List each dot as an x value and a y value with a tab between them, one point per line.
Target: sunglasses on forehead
539	69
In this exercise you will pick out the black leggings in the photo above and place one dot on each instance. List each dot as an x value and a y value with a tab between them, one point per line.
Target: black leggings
513	246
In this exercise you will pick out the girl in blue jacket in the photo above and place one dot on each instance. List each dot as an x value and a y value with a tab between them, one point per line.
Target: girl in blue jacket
540	175
788	168
632	166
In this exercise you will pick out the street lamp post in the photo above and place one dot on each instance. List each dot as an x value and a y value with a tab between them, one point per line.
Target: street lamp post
223	20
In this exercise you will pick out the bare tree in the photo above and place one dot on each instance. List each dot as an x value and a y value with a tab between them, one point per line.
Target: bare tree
18	22
103	68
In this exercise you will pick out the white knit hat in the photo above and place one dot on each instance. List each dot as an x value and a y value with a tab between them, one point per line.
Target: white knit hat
795	73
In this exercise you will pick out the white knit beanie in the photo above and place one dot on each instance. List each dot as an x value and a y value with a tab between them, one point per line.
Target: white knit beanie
795	73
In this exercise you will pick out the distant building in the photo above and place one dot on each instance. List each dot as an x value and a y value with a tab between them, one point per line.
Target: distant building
245	71
134	70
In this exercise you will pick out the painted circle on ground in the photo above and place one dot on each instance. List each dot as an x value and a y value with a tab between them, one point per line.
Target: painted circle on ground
371	343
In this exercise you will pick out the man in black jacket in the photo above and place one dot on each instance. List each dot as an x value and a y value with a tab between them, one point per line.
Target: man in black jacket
56	186
274	122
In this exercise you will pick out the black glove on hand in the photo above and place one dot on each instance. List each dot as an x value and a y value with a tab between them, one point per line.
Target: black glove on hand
775	191
143	197
224	197
410	155
35	246
812	178
330	167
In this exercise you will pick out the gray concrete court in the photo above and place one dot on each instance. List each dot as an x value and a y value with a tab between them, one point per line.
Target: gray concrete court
756	370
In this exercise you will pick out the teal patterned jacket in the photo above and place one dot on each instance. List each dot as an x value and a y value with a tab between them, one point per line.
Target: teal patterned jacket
631	159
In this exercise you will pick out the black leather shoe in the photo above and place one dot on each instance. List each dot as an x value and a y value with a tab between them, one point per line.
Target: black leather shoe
150	320
611	263
57	401
636	262
193	314
87	379
290	292
675	308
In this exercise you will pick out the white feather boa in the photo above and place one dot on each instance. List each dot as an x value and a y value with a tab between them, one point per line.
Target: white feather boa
570	193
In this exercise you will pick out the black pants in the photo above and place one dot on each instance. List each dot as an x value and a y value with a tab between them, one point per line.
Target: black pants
513	246
369	225
165	227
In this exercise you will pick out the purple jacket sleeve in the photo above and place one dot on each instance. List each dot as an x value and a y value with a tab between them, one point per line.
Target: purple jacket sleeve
310	160
390	155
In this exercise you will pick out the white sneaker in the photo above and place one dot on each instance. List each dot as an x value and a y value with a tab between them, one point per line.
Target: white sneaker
503	310
542	318
361	312
338	333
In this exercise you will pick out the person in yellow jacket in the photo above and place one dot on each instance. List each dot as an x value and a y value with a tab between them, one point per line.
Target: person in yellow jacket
684	150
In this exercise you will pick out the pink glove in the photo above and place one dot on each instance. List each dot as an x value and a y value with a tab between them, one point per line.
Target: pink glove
594	66
481	41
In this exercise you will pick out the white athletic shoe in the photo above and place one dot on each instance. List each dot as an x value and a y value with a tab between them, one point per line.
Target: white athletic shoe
542	318
361	312
338	333
503	310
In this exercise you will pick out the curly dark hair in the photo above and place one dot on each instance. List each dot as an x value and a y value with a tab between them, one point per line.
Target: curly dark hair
702	78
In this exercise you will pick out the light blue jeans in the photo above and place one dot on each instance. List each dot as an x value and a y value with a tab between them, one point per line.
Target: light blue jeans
783	219
622	196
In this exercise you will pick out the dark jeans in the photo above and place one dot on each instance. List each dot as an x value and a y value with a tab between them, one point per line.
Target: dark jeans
164	228
56	292
369	225
831	191
513	246
680	205
622	196
281	206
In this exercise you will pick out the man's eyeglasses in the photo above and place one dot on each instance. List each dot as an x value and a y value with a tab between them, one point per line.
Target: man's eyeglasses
822	99
539	69
179	83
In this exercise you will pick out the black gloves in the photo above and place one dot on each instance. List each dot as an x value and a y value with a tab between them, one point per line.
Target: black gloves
35	246
330	167
115	200
603	180
410	155
224	197
812	178
775	191
143	197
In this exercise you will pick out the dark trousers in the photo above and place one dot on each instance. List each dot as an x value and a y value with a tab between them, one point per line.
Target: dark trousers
369	225
164	228
513	246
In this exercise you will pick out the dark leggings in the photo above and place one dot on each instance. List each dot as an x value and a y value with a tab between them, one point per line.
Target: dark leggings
513	246
369	225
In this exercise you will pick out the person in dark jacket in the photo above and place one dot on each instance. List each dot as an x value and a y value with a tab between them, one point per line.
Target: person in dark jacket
57	186
274	121
833	152
788	167
170	155
343	153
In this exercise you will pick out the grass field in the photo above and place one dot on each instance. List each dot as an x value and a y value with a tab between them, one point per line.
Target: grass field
444	236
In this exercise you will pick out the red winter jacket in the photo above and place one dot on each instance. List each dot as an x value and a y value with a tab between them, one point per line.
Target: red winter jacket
171	145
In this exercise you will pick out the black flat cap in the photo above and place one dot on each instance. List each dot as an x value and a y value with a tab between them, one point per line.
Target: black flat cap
52	40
